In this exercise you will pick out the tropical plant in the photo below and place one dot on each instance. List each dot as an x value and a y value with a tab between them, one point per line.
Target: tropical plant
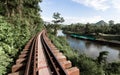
57	19
19	21
102	57
87	65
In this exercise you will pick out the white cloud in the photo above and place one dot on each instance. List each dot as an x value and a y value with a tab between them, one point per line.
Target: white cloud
47	19
100	4
69	20
96	4
116	4
94	19
45	3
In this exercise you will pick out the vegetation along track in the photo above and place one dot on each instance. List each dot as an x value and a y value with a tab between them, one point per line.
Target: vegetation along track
41	57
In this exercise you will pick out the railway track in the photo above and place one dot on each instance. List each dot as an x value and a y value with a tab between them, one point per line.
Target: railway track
41	57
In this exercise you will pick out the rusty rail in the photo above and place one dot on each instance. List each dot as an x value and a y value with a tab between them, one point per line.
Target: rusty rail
54	64
29	61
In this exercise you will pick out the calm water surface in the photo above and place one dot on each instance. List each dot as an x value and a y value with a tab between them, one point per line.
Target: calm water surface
92	49
59	33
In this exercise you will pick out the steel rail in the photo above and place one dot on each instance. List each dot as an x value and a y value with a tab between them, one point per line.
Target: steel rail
29	65
54	64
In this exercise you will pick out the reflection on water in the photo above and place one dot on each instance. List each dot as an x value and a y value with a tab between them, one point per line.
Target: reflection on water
92	49
59	33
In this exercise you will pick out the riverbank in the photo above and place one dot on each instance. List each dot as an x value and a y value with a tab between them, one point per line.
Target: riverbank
97	39
87	65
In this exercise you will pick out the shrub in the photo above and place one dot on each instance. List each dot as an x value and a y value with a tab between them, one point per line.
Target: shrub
87	65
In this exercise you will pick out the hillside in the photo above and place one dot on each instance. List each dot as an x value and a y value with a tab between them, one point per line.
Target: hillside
101	23
19	21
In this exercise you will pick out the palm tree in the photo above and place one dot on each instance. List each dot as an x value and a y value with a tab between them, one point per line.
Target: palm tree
102	57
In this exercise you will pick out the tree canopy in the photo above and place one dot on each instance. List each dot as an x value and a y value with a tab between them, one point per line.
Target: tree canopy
57	19
19	21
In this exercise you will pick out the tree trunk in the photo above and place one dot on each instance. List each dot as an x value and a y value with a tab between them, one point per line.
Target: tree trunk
7	9
55	31
19	8
13	12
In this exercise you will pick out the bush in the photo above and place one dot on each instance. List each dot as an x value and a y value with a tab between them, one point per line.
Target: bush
7	51
113	68
87	65
13	36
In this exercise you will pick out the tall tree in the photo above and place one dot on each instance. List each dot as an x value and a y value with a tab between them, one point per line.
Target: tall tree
87	28
111	22
57	19
19	20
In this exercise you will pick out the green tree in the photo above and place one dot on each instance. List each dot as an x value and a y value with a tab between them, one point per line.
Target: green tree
87	28
57	19
113	68
111	22
102	57
19	20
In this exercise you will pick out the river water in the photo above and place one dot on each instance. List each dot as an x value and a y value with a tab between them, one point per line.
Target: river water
92	49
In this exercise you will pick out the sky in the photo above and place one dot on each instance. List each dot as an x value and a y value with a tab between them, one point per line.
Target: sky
81	11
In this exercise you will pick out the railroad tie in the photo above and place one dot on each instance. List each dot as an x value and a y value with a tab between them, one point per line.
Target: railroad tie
66	64
33	59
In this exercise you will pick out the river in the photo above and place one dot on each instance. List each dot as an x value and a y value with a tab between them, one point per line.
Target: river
92	49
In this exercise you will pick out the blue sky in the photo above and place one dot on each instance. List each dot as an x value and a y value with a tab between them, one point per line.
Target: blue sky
81	11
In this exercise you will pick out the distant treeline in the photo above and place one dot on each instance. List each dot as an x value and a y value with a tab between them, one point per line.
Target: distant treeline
99	27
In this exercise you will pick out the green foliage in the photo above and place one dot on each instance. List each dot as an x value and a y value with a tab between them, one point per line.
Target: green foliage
7	51
57	19
102	57
6	32
87	65
20	20
111	22
112	30
113	68
93	28
4	61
